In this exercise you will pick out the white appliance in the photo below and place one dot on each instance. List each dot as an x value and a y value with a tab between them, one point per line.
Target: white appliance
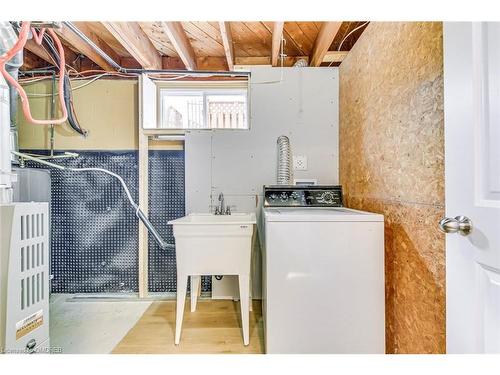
323	273
24	278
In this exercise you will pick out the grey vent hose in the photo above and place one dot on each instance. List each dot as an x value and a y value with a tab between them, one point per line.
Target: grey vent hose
285	172
301	63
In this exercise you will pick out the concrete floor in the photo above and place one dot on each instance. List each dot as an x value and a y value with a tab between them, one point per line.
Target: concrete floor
91	326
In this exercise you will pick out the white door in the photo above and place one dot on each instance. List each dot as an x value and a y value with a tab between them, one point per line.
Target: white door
472	161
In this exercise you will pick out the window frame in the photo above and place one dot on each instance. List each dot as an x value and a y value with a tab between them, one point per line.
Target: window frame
206	88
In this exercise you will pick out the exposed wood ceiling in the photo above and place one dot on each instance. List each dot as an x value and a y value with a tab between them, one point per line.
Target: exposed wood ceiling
324	40
276	44
133	39
202	45
227	41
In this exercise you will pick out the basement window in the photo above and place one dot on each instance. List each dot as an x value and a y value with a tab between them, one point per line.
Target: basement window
198	105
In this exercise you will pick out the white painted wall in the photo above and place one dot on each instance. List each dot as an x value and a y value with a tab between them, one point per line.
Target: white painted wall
304	106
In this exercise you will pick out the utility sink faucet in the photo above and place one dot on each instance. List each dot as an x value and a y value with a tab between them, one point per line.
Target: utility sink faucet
219	210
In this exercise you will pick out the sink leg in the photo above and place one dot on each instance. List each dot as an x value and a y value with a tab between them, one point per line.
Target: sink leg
244	282
250	293
195	291
182	281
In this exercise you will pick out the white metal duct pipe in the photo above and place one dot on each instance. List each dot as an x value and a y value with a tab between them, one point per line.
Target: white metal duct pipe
301	63
284	172
5	146
7	39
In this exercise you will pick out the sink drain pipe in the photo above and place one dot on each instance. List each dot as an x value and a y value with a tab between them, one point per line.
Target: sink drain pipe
138	212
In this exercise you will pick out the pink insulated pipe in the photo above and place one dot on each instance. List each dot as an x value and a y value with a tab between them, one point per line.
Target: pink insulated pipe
18	46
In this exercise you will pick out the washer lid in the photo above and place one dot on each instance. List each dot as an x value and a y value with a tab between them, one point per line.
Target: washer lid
310	214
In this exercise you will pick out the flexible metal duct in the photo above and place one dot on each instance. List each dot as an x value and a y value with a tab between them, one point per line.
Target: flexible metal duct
301	63
5	167
7	39
285	171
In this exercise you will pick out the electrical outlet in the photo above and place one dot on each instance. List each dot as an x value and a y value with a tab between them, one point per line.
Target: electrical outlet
300	162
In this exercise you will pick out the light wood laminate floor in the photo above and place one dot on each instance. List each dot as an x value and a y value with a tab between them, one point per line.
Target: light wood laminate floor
215	327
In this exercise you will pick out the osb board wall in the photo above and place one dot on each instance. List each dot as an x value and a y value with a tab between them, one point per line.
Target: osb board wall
391	162
108	109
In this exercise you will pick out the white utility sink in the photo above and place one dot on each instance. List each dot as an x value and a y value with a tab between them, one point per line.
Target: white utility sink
211	219
208	244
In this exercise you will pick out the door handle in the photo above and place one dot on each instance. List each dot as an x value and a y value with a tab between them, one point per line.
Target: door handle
460	224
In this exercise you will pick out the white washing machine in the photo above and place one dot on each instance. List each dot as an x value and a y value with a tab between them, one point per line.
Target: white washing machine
323	273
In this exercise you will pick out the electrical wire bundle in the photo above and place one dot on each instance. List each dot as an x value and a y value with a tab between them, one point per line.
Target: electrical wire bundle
49	40
68	95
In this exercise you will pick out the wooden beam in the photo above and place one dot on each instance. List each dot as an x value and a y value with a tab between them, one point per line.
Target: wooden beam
31	61
38	50
130	62
202	63
42	53
136	42
276	45
215	63
81	46
227	41
90	33
86	64
253	60
266	60
335	56
323	42
173	63
147	118
143	203
181	43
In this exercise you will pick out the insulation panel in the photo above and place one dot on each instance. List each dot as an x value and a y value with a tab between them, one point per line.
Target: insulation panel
94	228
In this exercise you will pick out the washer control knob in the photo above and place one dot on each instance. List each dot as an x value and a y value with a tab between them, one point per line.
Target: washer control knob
273	197
284	197
327	197
294	195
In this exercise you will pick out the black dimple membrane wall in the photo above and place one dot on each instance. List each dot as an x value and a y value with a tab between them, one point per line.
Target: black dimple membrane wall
94	246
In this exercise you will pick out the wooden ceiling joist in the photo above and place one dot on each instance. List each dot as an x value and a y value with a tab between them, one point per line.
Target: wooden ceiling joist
181	43
227	41
82	47
201	45
266	60
38	50
276	44
335	56
31	61
323	42
43	54
214	63
92	35
136	42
